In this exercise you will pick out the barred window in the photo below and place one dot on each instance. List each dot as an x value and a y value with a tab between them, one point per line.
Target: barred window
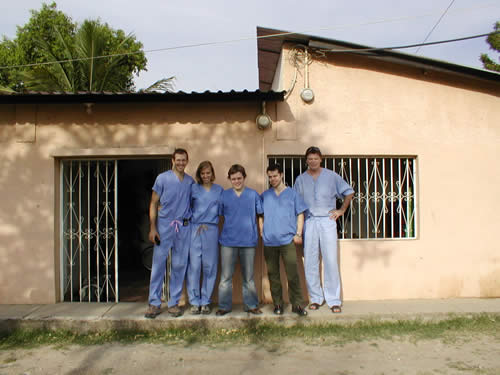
384	204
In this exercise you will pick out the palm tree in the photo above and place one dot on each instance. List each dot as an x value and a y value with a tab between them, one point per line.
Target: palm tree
53	75
91	42
97	61
162	85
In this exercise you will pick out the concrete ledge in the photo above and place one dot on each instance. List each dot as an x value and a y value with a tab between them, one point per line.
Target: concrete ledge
84	317
17	312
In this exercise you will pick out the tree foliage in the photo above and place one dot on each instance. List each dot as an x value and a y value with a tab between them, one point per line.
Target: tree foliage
65	56
494	42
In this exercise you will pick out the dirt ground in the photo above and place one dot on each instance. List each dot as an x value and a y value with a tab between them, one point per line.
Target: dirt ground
478	355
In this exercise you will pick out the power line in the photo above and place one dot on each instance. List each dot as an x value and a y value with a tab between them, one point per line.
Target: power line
252	38
410	45
270	36
435	25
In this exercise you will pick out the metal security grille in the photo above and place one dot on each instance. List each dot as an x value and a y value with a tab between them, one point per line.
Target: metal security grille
384	203
89	236
89	227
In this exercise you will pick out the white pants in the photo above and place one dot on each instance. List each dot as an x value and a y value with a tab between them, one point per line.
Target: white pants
321	236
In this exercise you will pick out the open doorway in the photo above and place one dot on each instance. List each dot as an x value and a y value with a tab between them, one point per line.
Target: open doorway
135	180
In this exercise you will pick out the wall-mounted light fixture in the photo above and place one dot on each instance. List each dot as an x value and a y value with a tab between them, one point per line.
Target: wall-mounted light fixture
307	94
263	120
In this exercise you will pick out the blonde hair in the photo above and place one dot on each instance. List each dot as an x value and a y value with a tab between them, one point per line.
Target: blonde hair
202	166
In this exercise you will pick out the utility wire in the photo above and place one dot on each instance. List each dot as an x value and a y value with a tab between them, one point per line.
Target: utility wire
435	25
270	36
242	39
409	45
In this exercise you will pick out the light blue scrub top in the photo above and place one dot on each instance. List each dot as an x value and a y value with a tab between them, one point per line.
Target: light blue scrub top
240	214
321	194
280	216
175	195
205	204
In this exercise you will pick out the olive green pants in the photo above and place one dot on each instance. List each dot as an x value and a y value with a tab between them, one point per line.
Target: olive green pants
289	255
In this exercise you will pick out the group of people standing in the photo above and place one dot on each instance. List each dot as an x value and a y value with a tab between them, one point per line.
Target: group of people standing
184	218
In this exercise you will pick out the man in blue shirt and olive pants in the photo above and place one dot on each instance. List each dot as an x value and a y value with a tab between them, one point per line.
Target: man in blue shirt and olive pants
320	188
281	229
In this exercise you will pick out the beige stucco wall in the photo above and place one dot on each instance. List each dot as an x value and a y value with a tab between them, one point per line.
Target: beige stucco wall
361	107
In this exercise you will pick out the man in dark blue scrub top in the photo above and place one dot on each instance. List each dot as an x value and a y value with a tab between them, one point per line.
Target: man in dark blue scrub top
240	206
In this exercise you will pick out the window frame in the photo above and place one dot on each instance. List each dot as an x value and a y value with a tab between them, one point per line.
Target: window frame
388	193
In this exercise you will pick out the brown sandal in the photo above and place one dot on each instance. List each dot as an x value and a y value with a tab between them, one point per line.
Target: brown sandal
336	309
314	306
255	311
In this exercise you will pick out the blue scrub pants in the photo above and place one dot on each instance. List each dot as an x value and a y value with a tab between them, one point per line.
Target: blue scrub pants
203	255
229	255
175	236
321	236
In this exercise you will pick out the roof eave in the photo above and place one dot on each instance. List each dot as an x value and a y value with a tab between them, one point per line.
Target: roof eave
107	97
272	45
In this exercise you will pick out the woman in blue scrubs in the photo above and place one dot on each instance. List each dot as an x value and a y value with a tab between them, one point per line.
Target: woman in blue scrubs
204	250
240	206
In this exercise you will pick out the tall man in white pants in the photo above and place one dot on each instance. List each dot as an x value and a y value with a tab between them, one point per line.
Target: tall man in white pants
320	188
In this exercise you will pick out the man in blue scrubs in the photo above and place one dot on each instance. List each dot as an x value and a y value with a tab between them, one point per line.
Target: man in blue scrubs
169	215
281	229
320	188
240	206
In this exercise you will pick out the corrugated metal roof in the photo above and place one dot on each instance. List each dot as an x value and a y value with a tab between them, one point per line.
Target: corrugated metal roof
38	97
269	50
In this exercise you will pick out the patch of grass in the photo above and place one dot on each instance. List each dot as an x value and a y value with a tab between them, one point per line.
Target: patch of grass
266	335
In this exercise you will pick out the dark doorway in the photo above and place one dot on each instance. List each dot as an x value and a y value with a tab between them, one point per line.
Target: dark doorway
135	180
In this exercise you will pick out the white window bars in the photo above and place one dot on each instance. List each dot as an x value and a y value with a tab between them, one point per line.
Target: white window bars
384	203
89	229
89	236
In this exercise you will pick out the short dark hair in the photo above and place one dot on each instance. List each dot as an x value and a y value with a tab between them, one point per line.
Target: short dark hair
180	151
235	168
313	150
275	167
202	166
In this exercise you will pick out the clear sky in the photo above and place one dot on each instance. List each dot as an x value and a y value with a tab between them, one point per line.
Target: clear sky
172	23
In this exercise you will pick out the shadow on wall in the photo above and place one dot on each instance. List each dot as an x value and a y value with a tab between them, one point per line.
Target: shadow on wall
365	253
371	252
26	224
489	285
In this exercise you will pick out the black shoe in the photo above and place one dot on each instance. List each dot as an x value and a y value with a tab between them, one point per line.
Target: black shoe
278	310
299	310
221	312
